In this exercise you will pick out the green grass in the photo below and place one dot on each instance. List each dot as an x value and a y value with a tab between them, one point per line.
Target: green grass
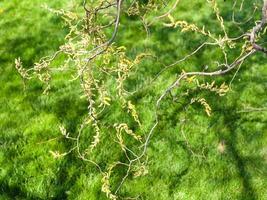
29	119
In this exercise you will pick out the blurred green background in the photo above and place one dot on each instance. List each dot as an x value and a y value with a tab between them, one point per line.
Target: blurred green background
29	120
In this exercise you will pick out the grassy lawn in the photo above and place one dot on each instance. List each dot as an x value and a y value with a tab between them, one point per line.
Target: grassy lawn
191	156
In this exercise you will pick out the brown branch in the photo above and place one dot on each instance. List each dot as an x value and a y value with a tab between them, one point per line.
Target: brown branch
258	28
214	73
109	42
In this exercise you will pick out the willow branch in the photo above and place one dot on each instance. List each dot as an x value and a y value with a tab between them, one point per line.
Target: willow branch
258	28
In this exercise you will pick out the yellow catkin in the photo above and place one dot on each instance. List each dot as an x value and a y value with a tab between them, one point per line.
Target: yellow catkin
204	103
106	183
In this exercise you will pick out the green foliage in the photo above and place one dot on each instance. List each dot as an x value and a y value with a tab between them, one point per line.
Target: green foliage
190	156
